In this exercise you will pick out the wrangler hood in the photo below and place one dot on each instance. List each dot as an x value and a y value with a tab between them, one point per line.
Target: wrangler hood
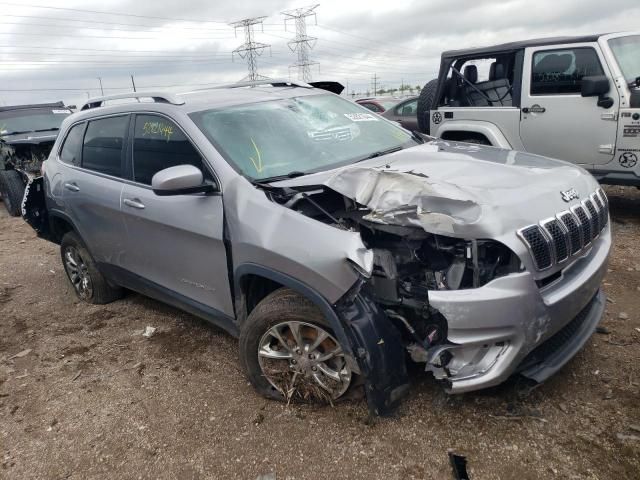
457	189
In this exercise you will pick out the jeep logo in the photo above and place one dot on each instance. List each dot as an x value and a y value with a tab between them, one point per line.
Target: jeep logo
569	195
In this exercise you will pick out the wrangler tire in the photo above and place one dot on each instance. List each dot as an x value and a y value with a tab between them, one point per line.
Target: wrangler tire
425	100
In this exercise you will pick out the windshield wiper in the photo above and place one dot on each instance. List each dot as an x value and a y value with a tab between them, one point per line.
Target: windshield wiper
54	129
382	153
18	132
276	178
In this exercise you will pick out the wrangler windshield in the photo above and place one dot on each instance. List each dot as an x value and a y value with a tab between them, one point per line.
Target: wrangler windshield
627	53
299	135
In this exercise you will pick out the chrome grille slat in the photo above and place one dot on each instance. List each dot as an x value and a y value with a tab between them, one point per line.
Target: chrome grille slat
559	239
556	240
573	229
593	216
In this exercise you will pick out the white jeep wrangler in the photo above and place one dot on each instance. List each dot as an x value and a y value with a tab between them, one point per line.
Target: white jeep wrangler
573	98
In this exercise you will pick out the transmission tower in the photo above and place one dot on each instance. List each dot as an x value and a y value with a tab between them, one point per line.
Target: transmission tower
250	49
302	43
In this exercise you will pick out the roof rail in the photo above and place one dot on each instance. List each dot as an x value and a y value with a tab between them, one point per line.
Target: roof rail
158	97
272	82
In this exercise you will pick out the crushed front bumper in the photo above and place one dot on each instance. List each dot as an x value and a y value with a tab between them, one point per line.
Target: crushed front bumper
511	325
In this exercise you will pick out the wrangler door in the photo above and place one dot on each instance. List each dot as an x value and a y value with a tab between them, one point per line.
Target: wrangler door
556	121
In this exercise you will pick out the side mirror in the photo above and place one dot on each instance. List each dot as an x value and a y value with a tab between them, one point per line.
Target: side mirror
180	180
595	86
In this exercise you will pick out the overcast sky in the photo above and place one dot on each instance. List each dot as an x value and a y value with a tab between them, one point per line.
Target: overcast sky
56	49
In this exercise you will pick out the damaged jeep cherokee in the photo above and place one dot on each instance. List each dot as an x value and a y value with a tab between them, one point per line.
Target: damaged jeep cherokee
336	245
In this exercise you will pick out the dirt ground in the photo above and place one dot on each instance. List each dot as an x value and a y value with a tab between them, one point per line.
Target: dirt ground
87	396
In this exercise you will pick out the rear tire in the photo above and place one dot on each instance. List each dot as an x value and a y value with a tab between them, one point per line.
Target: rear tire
12	190
284	368
425	100
88	283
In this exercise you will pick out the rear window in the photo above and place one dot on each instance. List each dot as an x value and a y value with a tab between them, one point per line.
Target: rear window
103	145
70	152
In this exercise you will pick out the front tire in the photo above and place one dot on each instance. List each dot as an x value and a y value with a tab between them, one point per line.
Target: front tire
88	283
12	190
289	353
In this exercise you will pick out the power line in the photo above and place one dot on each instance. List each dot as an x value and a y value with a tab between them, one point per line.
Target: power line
250	49
302	42
109	13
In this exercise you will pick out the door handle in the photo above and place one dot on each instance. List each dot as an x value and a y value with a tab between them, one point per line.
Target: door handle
534	109
133	203
72	186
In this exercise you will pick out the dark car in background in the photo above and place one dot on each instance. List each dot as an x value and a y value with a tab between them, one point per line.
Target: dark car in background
378	104
27	134
404	113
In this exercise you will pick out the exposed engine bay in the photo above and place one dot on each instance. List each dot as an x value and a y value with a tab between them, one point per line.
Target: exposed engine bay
24	156
408	263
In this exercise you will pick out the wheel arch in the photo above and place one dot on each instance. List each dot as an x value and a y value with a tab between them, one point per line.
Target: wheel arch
59	224
493	135
252	275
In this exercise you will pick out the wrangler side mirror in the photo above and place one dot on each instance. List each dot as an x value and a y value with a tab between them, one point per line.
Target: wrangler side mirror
597	86
180	180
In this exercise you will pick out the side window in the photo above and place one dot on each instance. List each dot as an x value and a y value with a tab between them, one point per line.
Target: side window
70	152
103	145
560	72
408	109
371	106
158	144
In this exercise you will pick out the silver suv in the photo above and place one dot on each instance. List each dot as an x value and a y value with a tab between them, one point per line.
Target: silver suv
336	245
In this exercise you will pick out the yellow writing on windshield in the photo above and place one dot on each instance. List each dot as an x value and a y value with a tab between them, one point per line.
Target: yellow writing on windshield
256	164
161	129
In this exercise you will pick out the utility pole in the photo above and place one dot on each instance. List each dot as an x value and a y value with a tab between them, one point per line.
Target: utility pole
375	80
250	49
302	43
133	83
101	89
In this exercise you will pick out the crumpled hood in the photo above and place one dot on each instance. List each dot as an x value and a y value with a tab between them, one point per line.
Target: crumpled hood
457	189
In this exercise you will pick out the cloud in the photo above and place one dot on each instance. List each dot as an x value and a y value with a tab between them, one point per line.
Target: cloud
180	45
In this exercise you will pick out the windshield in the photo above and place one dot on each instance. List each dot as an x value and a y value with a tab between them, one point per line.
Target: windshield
13	121
627	53
298	135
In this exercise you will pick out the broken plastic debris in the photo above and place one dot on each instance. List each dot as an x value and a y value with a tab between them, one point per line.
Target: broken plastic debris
21	354
149	331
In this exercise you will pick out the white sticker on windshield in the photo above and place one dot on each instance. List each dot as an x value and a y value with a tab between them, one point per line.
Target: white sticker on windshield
361	117
61	111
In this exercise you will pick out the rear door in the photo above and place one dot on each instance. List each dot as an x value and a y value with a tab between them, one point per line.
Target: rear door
406	114
92	184
174	242
556	120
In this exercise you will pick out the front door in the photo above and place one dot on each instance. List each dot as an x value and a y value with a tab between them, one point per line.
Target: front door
174	242
556	121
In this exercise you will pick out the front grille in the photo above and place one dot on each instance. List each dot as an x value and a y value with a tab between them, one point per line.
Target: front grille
558	340
557	239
